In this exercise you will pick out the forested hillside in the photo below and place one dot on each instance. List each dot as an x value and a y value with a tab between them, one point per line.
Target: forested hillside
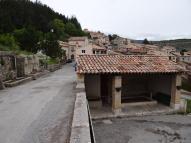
23	24
180	44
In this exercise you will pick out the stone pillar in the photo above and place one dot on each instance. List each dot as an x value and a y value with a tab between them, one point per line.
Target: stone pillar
80	78
116	94
175	92
80	81
1	82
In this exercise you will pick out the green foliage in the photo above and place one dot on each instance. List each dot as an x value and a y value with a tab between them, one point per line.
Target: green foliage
145	41
52	61
51	48
58	28
21	52
182	51
72	30
112	37
35	27
8	42
179	44
28	38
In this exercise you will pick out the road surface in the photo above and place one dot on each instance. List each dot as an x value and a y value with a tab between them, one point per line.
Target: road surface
145	129
39	111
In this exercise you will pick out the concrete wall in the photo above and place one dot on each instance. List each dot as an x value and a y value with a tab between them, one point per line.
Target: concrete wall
92	86
161	83
137	84
132	85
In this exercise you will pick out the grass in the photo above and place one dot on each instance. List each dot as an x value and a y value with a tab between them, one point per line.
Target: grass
19	52
52	61
16	50
4	48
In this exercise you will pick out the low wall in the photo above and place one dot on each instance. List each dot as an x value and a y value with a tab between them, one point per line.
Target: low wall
53	67
7	66
27	65
80	132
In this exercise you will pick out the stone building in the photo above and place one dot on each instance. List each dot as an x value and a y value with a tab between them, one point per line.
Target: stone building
185	57
76	46
117	80
81	46
168	49
120	43
99	38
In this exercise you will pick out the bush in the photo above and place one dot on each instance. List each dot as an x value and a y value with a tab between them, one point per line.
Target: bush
8	42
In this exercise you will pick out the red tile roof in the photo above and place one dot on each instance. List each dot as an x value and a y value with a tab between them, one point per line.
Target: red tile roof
94	64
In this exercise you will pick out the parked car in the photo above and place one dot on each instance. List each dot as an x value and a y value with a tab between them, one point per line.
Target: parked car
69	61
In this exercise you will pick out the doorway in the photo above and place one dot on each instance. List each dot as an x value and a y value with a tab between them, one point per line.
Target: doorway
106	89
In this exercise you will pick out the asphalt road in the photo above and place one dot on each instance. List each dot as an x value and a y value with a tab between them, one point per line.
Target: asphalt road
39	111
146	129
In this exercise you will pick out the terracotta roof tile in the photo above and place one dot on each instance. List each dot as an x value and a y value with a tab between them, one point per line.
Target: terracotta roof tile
126	64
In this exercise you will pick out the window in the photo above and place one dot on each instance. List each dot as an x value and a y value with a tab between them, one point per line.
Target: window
83	51
93	52
103	52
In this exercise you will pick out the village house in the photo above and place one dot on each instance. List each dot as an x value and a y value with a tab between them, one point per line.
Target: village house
77	46
135	49
120	43
168	49
98	50
99	38
81	46
185	57
65	46
117	80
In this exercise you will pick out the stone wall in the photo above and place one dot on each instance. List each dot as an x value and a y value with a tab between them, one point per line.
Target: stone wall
13	66
7	66
27	65
80	131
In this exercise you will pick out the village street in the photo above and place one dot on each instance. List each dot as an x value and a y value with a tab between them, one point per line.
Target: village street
39	111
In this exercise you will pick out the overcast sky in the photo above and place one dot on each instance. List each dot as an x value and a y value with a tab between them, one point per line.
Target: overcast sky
152	19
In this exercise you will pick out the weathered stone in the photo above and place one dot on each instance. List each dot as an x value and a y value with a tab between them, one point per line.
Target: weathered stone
116	94
1	83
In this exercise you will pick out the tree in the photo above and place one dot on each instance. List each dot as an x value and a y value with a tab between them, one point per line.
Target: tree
70	29
17	14
183	51
112	37
145	41
50	46
28	38
58	28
